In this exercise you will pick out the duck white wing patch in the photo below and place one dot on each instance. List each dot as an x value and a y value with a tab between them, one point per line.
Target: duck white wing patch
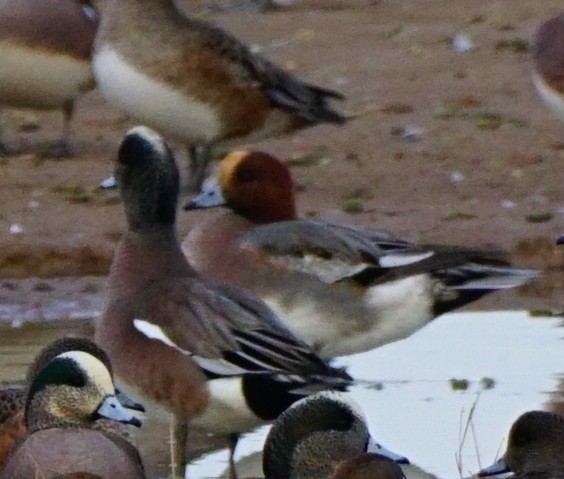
327	270
154	332
216	365
395	260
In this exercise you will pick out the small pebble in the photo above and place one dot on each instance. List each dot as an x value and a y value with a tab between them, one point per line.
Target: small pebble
16	229
463	43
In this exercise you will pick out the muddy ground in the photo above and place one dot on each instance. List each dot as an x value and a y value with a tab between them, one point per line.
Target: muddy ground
447	146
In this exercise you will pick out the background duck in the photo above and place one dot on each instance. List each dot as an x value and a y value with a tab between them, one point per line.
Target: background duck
64	398
313	436
534	448
212	355
548	63
45	49
196	83
342	289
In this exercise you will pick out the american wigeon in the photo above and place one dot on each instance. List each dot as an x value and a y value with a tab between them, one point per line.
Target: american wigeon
316	434
45	50
12	398
534	448
548	63
342	289
212	355
64	398
196	83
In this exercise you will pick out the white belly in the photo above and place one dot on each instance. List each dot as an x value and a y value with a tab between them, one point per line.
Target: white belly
227	411
552	99
40	79
154	104
390	312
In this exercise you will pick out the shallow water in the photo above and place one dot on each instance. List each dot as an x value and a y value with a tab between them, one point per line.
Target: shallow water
417	413
404	388
19	345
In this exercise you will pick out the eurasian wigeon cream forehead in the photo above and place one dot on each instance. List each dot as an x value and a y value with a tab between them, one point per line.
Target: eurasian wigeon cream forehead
342	289
45	49
196	83
212	355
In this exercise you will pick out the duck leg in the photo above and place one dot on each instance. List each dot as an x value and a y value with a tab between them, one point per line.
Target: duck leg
61	148
4	151
178	440
198	159
233	439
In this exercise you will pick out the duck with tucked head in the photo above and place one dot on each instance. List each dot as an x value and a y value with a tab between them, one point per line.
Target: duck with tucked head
325	435
12	398
343	289
64	399
212	355
45	49
535	448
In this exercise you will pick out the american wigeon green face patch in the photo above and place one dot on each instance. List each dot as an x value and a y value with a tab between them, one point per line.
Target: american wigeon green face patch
58	372
74	388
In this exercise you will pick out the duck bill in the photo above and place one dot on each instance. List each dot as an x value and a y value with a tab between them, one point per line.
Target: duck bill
375	448
111	408
129	403
499	467
209	197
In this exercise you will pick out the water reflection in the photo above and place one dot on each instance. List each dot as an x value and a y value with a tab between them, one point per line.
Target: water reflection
416	411
419	414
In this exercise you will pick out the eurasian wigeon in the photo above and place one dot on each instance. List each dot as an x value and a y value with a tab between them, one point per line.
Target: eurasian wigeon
196	83
212	355
65	397
315	435
45	53
13	398
535	448
342	289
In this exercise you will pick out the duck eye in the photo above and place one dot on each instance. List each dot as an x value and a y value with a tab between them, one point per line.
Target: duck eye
246	175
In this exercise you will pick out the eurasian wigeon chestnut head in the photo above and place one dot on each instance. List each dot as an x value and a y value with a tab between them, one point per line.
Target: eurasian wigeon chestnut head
45	51
64	399
534	448
214	356
196	83
343	289
254	185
